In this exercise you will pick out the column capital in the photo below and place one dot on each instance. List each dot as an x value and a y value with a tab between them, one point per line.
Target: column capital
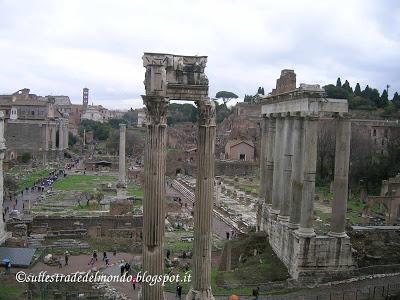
207	113
156	109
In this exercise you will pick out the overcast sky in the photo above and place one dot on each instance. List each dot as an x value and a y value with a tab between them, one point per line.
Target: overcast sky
58	47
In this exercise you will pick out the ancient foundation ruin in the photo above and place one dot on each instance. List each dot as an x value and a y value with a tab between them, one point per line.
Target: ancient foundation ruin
288	167
180	78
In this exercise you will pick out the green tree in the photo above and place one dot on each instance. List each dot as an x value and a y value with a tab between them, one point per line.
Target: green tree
226	96
396	100
335	92
222	111
384	101
357	90
366	92
338	82
347	87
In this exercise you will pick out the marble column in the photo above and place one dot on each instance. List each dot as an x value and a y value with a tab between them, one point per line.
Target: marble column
46	136
340	184
60	137
310	163
3	234
270	159
154	193
203	213
53	137
66	136
297	172
263	170
277	187
121	156
287	169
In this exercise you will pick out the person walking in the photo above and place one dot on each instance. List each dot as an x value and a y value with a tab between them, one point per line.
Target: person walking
66	257
179	291
104	255
256	292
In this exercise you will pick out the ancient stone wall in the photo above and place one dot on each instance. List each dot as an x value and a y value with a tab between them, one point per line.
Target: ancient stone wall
97	226
25	137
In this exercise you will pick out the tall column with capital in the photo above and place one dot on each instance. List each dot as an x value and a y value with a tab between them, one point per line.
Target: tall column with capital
340	183
297	175
203	213
121	185
263	171
3	235
310	165
53	137
60	136
66	135
287	168
277	187
270	159
154	193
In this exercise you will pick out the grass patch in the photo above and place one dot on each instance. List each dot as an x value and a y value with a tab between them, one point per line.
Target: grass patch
90	207
134	190
82	183
28	180
10	292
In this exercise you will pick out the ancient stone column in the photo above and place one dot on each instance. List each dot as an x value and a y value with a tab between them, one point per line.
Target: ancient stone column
53	137
263	172
121	185
201	282
277	186
46	137
287	169
65	135
3	235
270	159
297	172
340	184
60	137
310	163
154	193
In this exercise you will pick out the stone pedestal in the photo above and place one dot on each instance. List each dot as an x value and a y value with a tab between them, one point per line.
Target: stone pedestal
154	193
340	185
201	283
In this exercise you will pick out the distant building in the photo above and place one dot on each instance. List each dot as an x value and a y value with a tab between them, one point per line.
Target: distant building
31	124
85	97
94	113
239	150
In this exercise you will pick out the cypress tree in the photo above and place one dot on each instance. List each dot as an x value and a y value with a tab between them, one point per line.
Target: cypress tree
357	90
338	82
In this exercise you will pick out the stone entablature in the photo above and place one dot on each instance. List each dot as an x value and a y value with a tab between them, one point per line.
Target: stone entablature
176	77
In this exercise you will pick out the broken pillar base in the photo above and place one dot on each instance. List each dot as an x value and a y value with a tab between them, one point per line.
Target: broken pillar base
338	235
121	192
200	295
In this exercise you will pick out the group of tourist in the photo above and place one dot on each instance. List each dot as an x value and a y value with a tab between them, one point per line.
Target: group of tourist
255	294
